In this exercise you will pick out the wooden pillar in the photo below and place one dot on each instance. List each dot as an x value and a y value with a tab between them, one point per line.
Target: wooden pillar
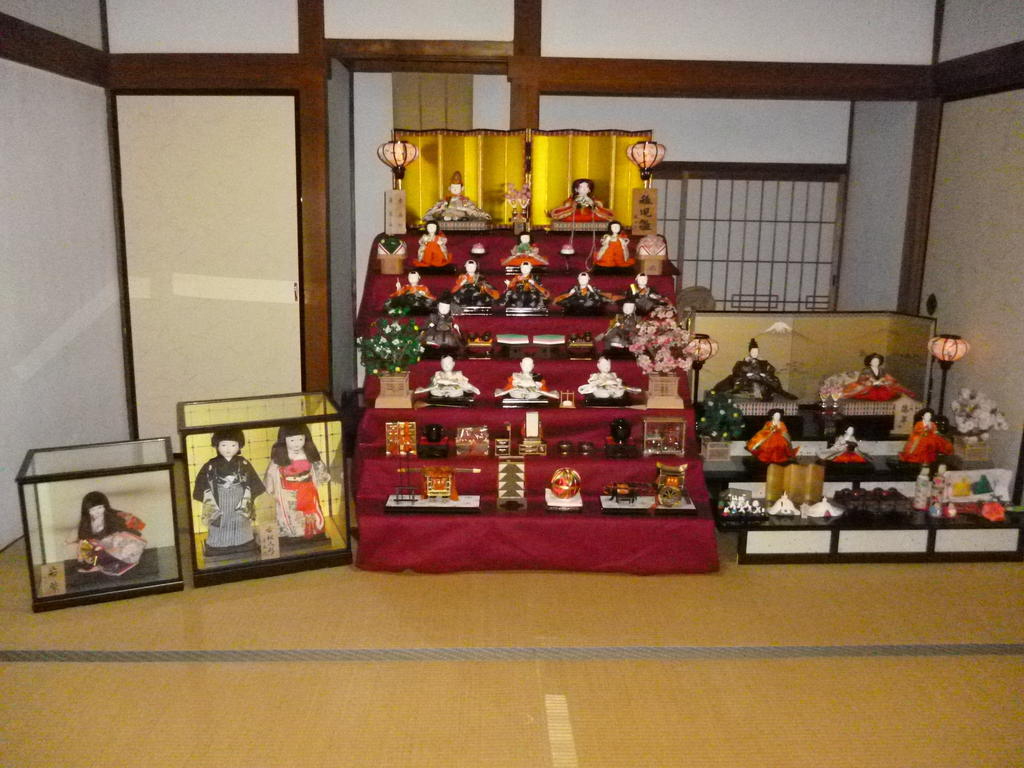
919	204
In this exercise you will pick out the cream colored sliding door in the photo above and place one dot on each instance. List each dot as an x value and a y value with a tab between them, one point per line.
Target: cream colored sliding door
211	216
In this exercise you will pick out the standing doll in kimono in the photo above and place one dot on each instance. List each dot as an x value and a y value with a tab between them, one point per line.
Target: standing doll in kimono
227	485
292	478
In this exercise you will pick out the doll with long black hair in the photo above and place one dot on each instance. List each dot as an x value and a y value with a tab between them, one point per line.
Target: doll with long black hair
109	541
293	477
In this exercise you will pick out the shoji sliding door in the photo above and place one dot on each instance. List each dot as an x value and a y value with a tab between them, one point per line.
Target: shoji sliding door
211	243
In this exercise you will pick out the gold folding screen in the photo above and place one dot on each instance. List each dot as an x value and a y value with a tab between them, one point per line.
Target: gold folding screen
490	160
487	160
559	157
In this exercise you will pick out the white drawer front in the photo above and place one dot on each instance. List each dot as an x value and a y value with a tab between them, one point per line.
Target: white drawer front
883	541
1004	540
788	542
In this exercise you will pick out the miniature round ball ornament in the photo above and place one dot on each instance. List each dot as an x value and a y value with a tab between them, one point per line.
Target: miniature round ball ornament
478	249
565	483
567	250
652	247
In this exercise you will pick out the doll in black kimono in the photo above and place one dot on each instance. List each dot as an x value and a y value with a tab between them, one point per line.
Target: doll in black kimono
227	485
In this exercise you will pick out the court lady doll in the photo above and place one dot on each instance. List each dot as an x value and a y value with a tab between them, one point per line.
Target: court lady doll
293	477
771	443
614	250
227	485
433	248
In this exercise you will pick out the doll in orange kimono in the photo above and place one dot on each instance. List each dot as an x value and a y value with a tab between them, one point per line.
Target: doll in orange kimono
471	289
925	444
614	250
411	298
581	206
771	443
433	250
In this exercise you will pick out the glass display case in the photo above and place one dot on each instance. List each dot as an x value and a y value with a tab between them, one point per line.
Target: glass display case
99	522
267	488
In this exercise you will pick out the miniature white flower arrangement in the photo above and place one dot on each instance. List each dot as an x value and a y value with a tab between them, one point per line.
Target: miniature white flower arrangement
975	414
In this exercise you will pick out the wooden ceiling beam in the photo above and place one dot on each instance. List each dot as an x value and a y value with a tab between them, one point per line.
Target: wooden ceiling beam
723	79
36	47
211	71
997	69
351	52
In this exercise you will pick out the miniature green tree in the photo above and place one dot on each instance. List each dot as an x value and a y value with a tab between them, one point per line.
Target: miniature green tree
393	347
722	419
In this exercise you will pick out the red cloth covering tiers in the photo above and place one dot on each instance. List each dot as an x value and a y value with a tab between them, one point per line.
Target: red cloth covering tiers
447	543
536	539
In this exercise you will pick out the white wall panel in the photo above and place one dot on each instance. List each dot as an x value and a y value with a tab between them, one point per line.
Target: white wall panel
77	19
969	26
420	19
880	31
881	152
62	380
974	265
720	130
203	26
491	98
211	223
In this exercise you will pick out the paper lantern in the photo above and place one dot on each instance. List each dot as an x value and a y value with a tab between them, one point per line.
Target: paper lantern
645	155
397	155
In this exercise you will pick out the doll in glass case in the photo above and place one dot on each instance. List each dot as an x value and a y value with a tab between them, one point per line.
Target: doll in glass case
442	334
581	205
411	298
293	477
456	206
109	541
524	291
524	252
227	485
614	252
583	298
433	248
643	296
471	289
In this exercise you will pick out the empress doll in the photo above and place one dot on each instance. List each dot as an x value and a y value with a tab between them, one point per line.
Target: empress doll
874	383
227	485
109	541
292	478
580	206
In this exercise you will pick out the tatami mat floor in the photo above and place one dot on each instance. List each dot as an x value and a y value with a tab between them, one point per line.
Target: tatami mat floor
850	708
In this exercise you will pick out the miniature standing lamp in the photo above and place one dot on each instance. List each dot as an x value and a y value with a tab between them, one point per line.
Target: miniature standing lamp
397	155
645	155
702	348
947	349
